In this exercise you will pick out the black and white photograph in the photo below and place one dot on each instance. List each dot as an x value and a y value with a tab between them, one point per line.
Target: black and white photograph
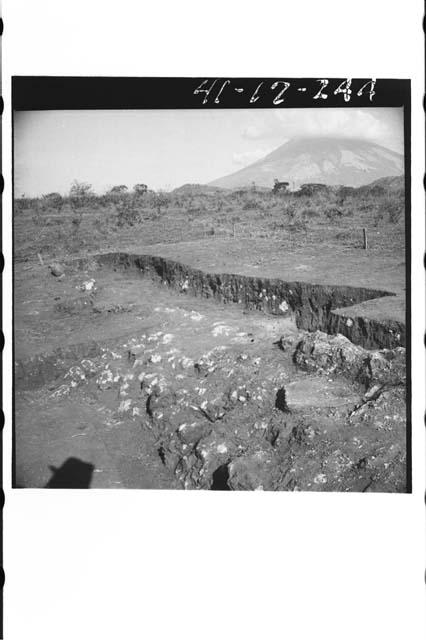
214	298
213	295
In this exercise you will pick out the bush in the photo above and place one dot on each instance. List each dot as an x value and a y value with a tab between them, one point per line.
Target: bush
76	220
394	208
331	213
161	201
80	196
290	211
250	204
53	201
127	211
118	190
140	189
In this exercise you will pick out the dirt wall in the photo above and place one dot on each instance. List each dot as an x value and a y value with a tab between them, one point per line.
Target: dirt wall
311	304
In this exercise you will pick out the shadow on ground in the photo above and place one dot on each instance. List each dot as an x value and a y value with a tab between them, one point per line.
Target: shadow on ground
73	474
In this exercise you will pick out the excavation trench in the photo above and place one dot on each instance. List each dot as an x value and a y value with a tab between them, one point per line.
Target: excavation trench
312	305
204	398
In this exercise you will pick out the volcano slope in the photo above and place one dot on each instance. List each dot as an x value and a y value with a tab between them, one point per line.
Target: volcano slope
183	379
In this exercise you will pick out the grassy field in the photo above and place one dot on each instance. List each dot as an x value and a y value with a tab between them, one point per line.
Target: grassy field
316	236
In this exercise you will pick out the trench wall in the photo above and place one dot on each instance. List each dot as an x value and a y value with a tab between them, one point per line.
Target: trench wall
311	304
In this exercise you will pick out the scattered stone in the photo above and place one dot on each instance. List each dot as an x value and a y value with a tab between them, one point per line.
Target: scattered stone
322	353
56	269
63	390
321	478
249	472
124	406
105	380
160	401
221	330
88	285
75	305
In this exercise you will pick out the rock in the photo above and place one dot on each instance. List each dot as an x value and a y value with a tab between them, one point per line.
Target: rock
260	470
125	406
387	366
160	401
302	435
136	353
192	432
285	342
88	285
319	352
105	380
75	305
56	269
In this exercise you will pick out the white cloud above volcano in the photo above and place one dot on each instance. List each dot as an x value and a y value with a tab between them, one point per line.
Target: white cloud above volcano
380	125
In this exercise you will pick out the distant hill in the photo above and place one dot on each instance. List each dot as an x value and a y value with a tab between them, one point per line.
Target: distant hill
394	183
197	189
332	161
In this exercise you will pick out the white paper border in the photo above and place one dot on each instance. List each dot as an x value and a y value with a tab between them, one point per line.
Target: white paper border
108	564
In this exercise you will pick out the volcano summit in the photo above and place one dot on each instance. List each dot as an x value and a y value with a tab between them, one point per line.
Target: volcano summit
334	161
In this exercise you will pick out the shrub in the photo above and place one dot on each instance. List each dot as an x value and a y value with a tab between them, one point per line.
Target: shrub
290	211
53	201
161	201
378	217
394	208
119	189
377	190
127	212
250	204
345	192
80	196
140	189
331	213
76	220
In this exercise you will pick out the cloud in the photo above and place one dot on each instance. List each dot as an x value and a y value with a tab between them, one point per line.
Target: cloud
247	157
258	130
384	126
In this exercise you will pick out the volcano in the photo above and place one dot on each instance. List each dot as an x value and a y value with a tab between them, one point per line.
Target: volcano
350	162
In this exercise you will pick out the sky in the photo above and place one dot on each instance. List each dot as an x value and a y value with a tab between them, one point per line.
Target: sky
167	148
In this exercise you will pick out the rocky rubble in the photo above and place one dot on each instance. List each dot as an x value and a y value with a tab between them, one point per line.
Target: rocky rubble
308	411
321	353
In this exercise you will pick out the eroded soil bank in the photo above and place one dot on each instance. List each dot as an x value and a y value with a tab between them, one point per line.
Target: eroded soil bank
311	304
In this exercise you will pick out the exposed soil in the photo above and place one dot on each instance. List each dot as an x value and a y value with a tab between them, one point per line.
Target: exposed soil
183	378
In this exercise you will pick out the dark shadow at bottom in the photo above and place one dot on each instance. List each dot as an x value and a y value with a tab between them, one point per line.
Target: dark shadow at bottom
72	474
220	479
